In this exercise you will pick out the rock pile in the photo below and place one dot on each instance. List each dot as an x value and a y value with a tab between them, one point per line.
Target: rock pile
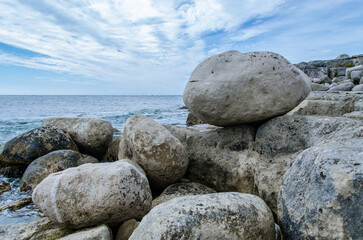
296	176
341	74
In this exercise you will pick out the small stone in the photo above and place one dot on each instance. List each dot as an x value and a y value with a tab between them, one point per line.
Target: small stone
347	86
319	87
102	232
4	187
126	229
358	88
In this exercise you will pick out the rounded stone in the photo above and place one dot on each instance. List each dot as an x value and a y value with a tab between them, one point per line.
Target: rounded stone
91	194
232	88
155	149
33	144
92	135
210	216
52	162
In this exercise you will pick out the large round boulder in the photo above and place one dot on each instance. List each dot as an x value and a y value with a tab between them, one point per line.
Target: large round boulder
232	88
322	194
33	144
52	162
155	149
210	216
92	194
92	135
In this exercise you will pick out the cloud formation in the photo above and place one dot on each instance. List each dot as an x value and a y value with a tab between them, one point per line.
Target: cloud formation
158	43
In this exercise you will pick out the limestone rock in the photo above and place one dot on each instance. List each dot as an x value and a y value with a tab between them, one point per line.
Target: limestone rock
349	70
102	232
347	86
356	75
322	194
358	88
155	149
94	194
209	216
31	145
92	135
219	158
233	88
181	189
355	115
126	229
50	163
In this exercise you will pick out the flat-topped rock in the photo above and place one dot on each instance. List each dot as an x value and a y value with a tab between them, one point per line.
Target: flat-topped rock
232	88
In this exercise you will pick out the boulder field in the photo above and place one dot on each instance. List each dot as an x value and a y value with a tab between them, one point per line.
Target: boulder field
294	174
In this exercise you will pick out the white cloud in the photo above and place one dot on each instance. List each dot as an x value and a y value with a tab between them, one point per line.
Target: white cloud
155	41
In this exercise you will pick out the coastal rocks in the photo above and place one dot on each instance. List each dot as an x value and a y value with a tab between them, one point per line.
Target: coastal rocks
321	194
50	163
356	69
234	88
102	232
112	151
219	158
333	104
210	216
41	228
155	149
92	135
94	194
181	189
31	145
347	86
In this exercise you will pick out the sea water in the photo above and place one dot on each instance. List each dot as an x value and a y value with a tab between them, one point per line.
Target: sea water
19	114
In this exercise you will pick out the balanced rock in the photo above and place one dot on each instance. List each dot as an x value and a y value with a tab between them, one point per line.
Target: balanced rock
181	189
92	194
92	135
231	88
210	216
155	149
322	194
33	144
50	163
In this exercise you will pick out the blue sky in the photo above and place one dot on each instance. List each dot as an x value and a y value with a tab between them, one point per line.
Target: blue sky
132	47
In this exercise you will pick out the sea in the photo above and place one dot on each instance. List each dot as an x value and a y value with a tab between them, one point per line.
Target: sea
19	114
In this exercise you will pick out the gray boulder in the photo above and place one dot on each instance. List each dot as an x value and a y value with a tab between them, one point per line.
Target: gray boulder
349	70
358	88
219	158
94	194
232	88
102	232
181	189
50	163
112	151
209	216
344	86
31	145
92	135
356	75
193	120
322	194
155	149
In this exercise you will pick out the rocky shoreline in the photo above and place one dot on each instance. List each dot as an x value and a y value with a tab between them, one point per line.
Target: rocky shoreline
275	161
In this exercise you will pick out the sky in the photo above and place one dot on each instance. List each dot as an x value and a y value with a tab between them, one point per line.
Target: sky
151	47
